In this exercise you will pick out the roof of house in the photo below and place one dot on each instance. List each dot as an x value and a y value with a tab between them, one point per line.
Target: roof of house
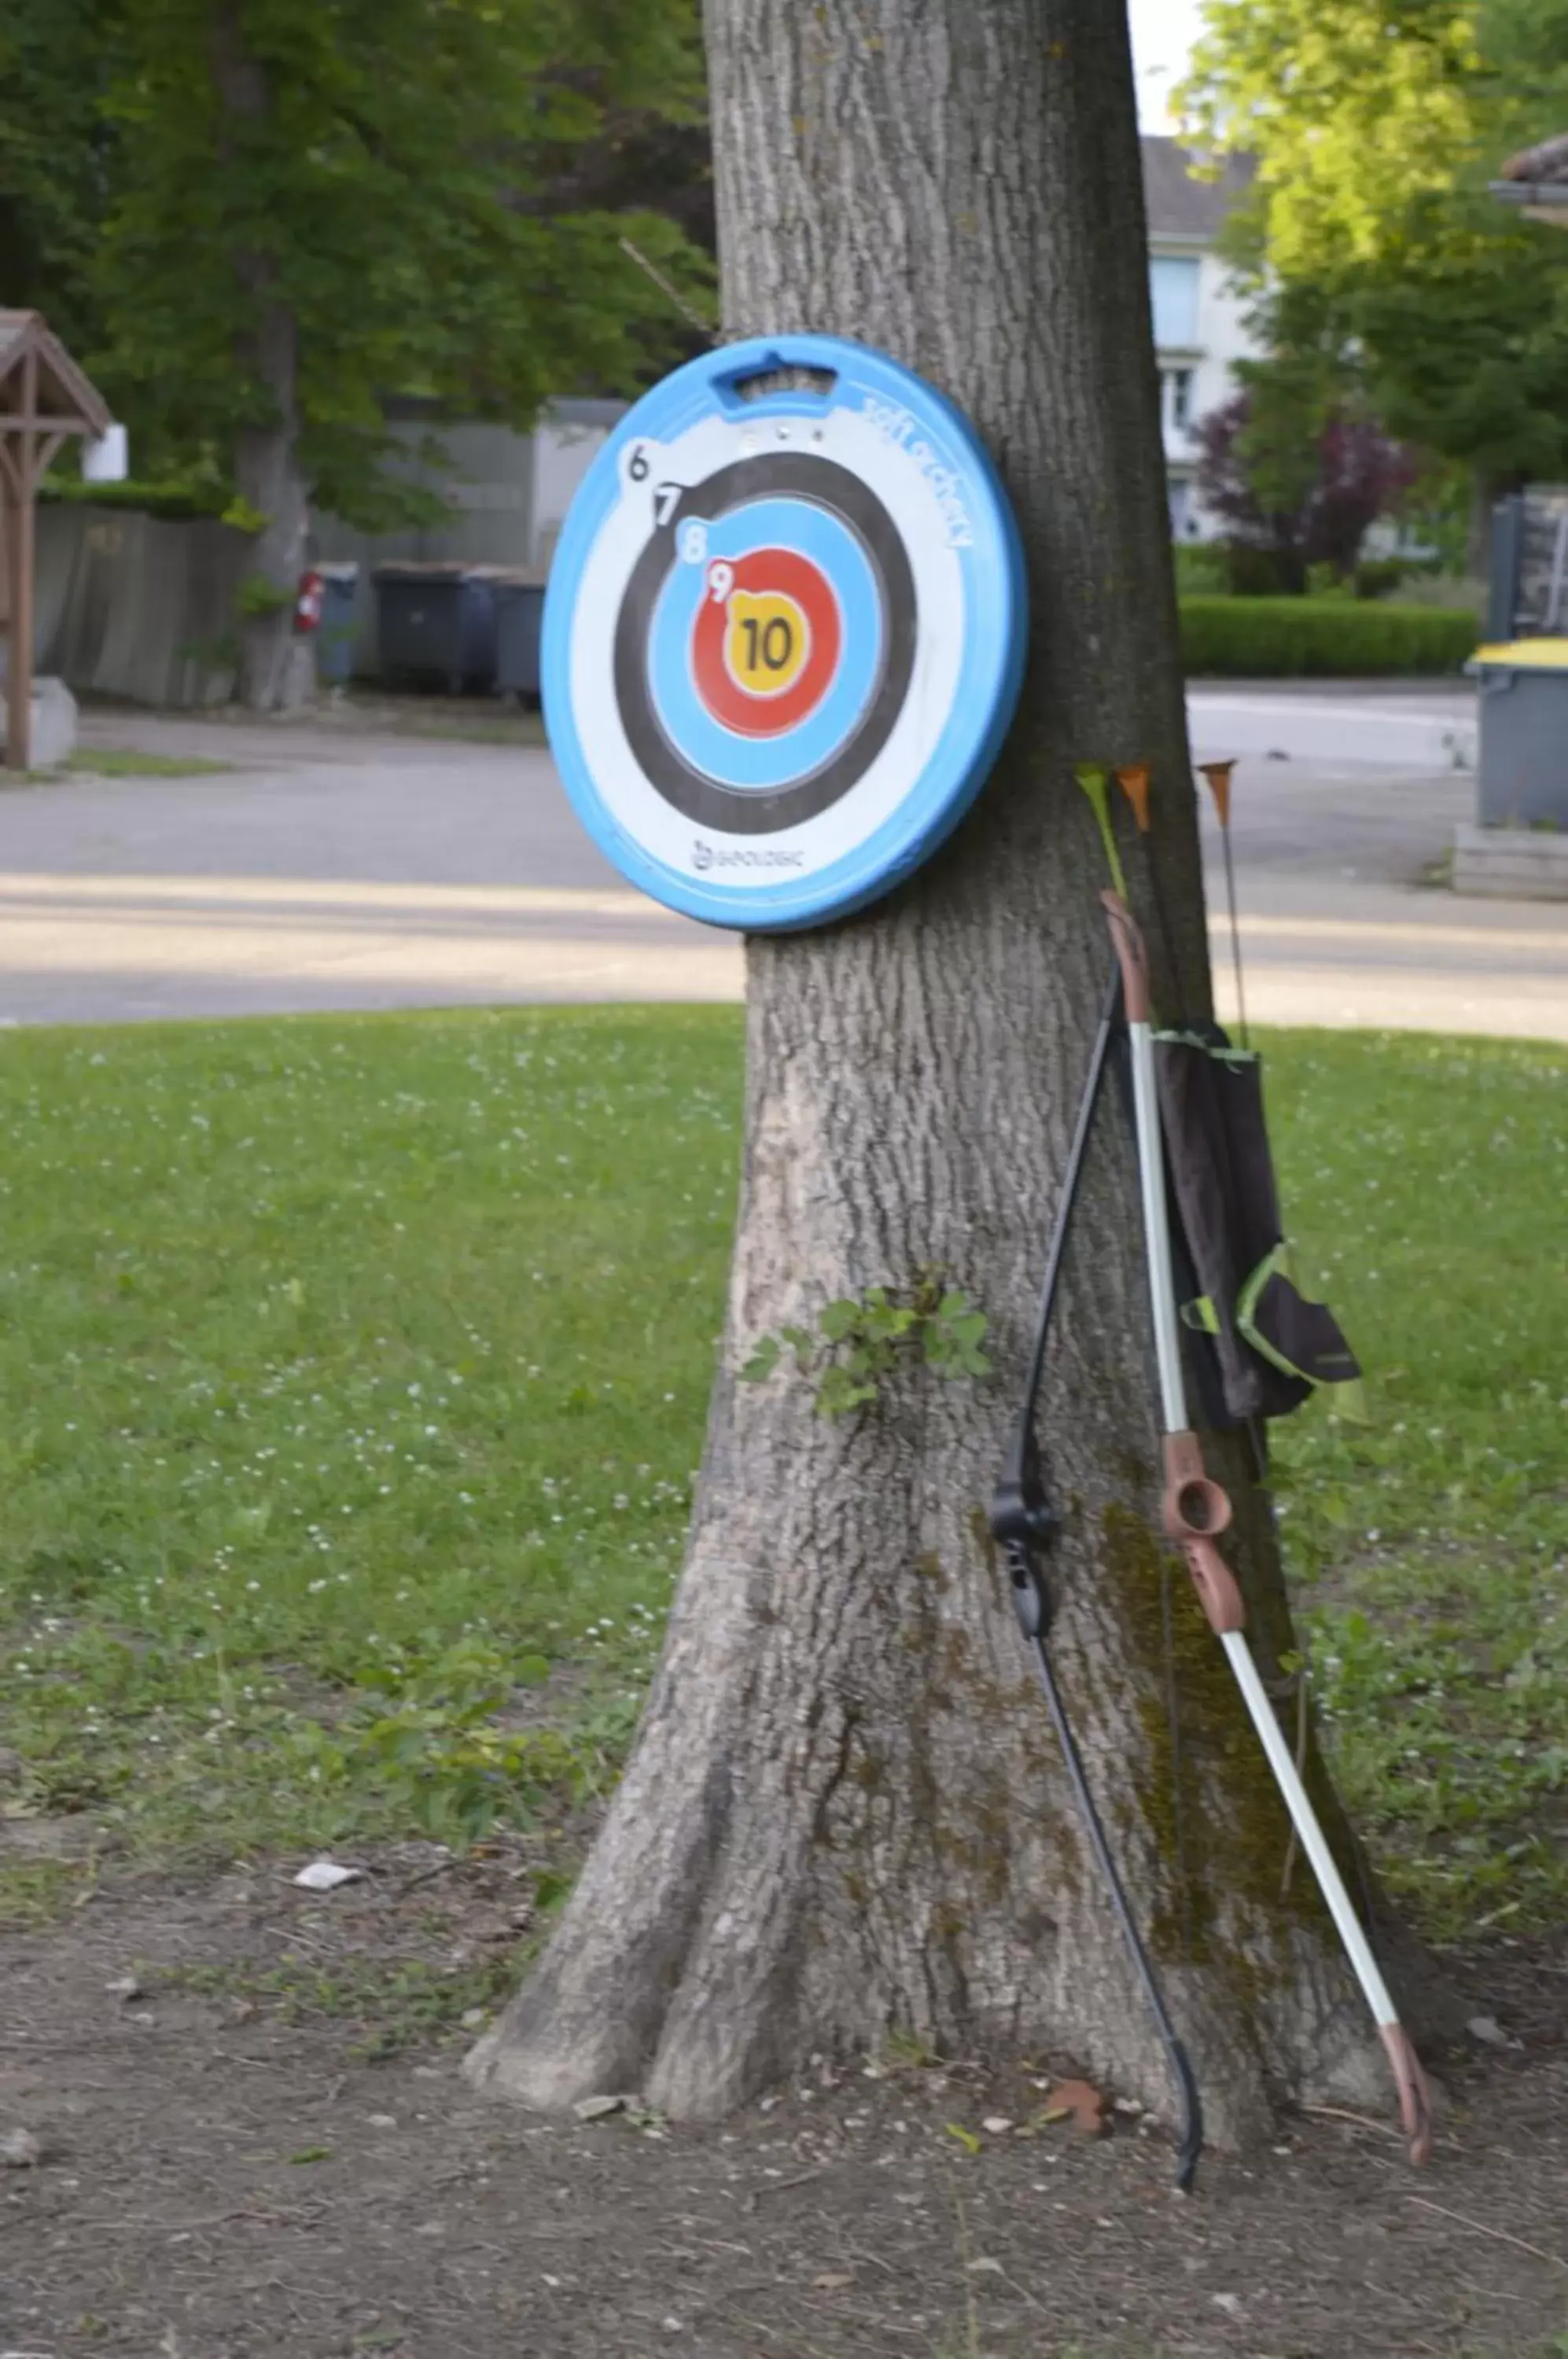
1536	181
1548	162
1180	206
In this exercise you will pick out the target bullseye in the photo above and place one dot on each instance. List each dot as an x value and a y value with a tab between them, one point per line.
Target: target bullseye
766	643
783	634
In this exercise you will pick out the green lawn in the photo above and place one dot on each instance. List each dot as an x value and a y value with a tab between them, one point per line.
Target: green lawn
353	1373
1427	1178
125	762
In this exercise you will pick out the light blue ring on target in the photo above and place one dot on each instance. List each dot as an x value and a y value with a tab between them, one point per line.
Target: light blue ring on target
872	501
839	555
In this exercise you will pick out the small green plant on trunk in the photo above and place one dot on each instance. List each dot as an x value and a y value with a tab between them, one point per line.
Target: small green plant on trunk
859	1344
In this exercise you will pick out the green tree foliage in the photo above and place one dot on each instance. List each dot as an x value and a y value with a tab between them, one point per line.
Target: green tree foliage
1377	125
262	222
57	58
383	173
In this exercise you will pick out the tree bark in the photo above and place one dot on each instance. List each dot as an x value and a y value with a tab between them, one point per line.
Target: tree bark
844	1815
1487	488
276	666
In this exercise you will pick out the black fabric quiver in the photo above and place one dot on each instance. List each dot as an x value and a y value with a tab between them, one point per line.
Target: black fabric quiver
1271	1345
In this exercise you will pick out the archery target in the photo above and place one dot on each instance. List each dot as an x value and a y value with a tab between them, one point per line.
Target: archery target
783	637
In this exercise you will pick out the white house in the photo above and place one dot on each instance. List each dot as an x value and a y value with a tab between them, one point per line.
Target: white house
1198	330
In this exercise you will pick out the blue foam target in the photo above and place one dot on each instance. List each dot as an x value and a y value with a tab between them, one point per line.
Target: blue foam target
783	636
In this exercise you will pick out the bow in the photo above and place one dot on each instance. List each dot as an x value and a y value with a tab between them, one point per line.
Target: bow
1196	1510
1024	1524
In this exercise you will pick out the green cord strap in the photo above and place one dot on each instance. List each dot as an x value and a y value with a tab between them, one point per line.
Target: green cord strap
1274	1264
1200	1316
1093	777
1349	1398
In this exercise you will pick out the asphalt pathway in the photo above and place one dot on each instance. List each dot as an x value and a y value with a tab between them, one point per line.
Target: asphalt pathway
338	866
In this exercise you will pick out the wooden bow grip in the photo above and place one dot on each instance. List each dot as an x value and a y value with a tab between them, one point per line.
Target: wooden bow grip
1195	1511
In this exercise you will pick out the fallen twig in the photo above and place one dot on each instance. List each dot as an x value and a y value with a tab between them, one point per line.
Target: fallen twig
1362	2121
1499	2235
427	1876
776	2186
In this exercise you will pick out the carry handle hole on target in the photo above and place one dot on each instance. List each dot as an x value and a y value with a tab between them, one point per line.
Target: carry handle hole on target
775	372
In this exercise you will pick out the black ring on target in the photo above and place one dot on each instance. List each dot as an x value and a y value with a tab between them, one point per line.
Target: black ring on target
706	801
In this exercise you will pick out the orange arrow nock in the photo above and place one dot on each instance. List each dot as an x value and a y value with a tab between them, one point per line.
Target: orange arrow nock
1133	780
1218	777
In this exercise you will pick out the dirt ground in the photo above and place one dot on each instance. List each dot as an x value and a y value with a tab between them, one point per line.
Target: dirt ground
253	2141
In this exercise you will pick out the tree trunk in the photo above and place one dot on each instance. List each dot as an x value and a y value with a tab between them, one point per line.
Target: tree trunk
844	1815
1487	488
276	666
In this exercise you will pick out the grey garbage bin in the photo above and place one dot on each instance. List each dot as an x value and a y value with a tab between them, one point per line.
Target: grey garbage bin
519	610
435	625
334	638
1523	754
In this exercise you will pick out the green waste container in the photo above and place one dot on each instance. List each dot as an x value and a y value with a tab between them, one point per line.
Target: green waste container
1523	754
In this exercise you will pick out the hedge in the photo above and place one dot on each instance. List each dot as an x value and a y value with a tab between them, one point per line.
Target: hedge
1290	638
173	502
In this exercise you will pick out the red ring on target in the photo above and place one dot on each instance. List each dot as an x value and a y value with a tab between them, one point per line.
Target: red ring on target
765	645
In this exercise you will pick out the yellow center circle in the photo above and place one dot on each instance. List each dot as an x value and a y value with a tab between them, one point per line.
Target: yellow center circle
766	641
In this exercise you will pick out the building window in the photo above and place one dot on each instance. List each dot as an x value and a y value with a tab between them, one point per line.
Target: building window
1180	493
1173	294
1177	404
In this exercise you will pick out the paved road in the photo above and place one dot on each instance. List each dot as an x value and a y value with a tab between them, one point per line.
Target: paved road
330	869
1413	724
334	868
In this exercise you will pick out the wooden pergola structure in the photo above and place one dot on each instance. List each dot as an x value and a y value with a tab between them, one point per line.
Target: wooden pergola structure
44	397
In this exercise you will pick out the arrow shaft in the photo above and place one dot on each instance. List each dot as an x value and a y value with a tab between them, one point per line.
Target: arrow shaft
1235	934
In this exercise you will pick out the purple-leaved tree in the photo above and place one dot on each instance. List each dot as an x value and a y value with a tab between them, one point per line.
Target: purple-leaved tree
1303	498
